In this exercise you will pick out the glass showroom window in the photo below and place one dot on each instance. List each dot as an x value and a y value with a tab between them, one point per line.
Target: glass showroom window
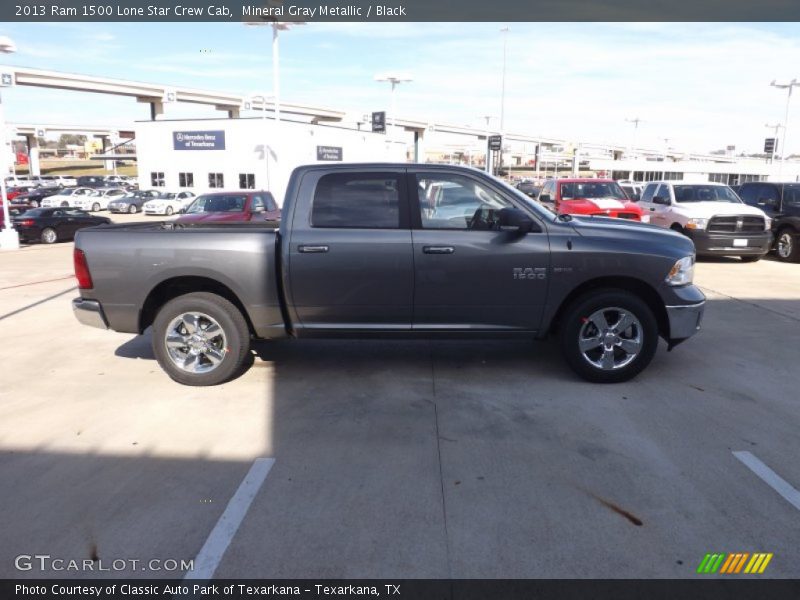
157	178
186	179
247	181
215	180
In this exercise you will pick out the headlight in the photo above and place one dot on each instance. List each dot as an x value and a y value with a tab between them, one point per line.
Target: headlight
767	223
645	218
696	223
682	272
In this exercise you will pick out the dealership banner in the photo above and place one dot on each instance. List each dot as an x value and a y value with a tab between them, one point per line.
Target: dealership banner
401	589
190	11
198	140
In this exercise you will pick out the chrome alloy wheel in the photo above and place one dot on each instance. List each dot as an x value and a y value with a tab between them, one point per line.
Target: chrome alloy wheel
195	342
610	338
785	245
49	236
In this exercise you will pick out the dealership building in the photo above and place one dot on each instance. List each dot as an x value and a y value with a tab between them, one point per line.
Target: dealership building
248	153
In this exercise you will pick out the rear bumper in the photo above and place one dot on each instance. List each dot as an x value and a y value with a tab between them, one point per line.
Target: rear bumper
89	312
722	244
684	321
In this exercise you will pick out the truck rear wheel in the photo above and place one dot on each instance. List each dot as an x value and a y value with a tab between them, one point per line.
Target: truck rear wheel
608	336
200	339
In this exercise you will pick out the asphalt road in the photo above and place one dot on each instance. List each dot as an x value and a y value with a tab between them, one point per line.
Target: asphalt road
400	459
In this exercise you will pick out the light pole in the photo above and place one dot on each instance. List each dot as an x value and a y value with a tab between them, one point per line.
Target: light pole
635	122
276	85
785	86
9	238
775	128
276	80
504	31
263	98
488	165
395	80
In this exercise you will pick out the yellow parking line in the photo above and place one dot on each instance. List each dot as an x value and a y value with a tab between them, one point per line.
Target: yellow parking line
765	563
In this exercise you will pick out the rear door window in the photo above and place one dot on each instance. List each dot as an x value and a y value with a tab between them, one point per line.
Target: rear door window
364	201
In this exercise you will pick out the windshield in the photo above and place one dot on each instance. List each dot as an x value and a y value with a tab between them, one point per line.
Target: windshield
791	195
218	203
705	193
591	189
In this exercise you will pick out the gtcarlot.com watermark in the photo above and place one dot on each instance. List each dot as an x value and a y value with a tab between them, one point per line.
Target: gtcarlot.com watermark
48	563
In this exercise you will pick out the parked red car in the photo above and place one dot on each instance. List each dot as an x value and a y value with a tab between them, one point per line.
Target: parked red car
241	206
14	191
600	197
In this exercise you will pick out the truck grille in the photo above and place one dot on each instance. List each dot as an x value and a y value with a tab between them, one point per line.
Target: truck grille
736	224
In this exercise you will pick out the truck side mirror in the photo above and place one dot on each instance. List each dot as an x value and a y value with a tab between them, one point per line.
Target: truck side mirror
516	220
660	200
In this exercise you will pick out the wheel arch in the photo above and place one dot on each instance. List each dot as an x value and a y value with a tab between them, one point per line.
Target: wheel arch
626	284
186	284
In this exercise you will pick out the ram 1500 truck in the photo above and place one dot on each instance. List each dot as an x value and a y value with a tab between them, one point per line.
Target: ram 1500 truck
360	251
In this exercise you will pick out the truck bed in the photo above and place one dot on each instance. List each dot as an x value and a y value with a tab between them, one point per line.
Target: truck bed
130	263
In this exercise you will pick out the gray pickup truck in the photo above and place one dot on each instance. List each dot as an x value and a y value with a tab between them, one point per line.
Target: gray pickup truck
392	250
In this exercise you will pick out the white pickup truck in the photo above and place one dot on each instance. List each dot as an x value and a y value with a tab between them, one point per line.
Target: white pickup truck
712	215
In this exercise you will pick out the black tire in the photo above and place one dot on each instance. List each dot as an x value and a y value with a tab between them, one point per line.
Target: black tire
48	236
576	316
132	209
169	211
95	207
229	319
678	228
787	245
752	259
64	204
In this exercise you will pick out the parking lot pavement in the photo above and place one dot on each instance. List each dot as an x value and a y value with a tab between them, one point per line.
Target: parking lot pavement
402	459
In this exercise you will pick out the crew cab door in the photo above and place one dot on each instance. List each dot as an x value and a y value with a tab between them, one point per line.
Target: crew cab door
658	212
468	276
350	264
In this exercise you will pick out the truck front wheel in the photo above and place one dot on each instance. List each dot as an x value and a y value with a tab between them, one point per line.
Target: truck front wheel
608	336
200	339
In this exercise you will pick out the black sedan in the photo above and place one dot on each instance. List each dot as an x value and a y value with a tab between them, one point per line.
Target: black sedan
529	188
35	196
50	225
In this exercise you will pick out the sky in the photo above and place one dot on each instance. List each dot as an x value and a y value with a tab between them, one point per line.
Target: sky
695	87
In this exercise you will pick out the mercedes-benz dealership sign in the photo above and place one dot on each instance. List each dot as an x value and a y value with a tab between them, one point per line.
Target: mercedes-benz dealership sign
198	140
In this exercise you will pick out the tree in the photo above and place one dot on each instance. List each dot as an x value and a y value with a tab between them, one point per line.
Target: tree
70	139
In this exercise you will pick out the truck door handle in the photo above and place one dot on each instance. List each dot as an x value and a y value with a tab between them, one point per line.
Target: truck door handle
652	209
312	249
438	249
